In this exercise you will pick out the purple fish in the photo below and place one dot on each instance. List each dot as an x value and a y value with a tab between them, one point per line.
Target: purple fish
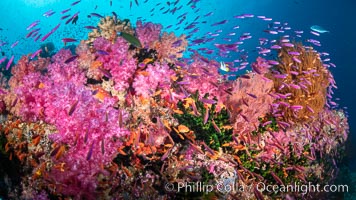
276	47
64	11
267	19
315	33
206	116
208	101
198	41
296	107
74	3
102	146
176	43
33	24
48	34
65	40
71	59
273	62
14	44
271	32
3	59
287	44
296	59
86	136
65	16
251	95
29	34
102	52
294	86
90	152
49	13
96	15
36	53
73	17
219	23
208	14
10	62
248	15
90	27
294	53
38	37
282	76
183	83
105	72
217	129
72	108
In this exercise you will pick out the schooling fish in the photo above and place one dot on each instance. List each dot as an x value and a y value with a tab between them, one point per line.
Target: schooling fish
75	19
36	53
74	3
90	27
131	39
50	33
10	62
64	11
66	40
3	59
33	24
14	44
96	15
318	29
90	152
65	16
72	108
49	13
71	59
102	52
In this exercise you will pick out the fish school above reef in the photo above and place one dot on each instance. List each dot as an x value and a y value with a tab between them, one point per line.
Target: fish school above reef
127	116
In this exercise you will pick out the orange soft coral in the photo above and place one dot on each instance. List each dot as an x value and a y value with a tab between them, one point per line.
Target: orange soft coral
300	82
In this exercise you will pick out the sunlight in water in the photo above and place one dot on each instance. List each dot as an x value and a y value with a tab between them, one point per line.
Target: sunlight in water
39	3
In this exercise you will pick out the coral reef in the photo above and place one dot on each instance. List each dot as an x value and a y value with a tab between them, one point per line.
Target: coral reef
128	115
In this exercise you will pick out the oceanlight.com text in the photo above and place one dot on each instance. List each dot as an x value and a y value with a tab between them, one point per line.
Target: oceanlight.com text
222	187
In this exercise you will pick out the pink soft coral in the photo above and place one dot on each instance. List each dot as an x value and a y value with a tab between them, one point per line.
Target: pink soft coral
120	66
158	77
90	131
148	33
204	77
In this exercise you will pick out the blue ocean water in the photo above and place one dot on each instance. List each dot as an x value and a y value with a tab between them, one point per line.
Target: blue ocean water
335	16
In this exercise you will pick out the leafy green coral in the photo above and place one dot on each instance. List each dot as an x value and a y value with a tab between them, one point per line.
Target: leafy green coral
206	132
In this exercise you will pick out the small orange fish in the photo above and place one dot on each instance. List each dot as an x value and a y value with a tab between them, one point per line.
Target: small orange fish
96	64
120	119
148	60
60	152
101	94
121	151
41	85
35	140
183	129
143	73
127	172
